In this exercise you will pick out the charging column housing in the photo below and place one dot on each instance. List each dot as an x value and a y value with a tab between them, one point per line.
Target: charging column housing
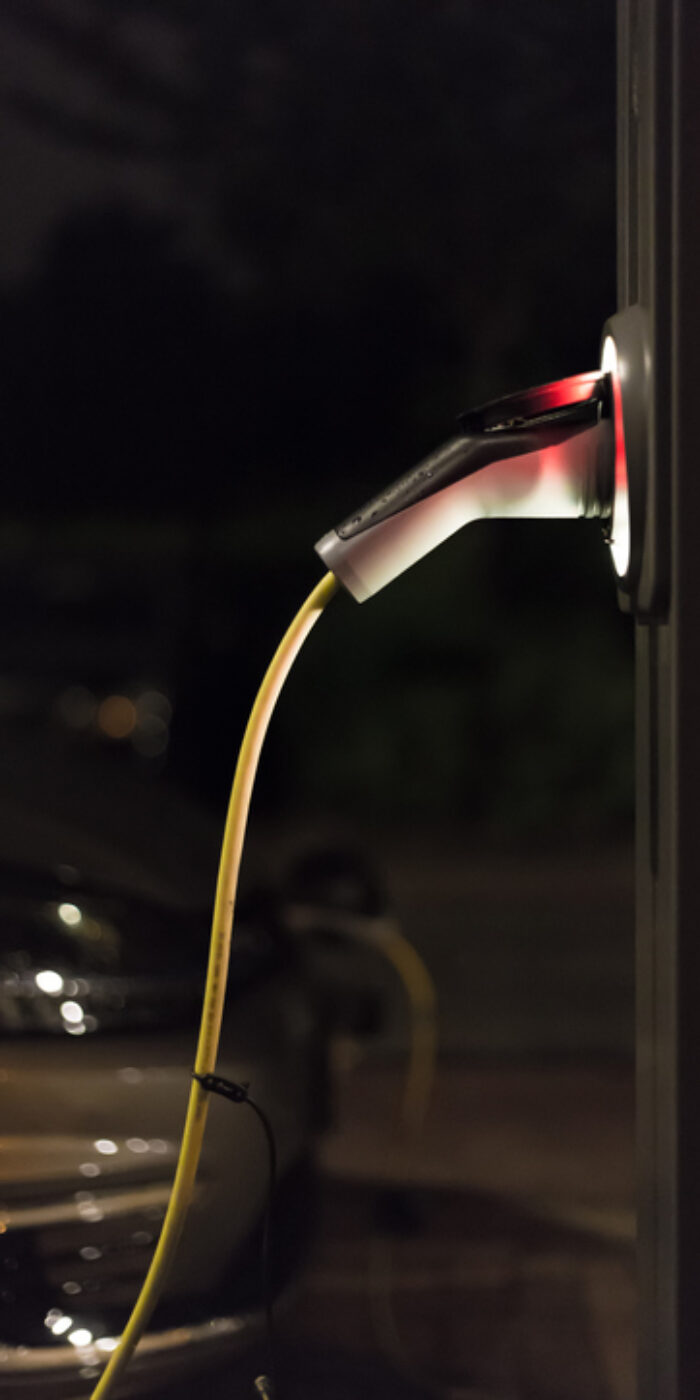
659	272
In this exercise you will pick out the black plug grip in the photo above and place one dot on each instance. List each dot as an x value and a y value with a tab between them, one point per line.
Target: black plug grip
459	457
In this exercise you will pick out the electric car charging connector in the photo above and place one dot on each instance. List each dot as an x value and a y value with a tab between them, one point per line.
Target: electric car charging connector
575	448
544	454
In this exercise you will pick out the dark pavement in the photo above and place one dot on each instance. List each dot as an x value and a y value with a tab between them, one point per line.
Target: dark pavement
493	1260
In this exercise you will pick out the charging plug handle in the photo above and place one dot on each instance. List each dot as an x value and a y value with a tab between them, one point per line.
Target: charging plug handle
415	513
505	428
456	459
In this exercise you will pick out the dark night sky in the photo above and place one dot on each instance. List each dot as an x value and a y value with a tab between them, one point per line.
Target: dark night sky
256	258
310	232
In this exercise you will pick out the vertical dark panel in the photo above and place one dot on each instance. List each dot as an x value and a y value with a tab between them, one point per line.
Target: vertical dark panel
685	298
659	256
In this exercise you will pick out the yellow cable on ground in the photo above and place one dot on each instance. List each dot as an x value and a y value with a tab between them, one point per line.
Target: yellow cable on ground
219	950
422	1000
384	937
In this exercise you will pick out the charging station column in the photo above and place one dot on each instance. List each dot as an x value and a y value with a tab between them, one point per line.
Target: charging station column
659	268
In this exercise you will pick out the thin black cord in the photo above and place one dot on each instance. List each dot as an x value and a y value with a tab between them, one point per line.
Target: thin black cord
238	1093
267	1221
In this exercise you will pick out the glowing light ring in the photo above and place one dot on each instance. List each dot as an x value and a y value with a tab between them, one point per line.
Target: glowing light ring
620	526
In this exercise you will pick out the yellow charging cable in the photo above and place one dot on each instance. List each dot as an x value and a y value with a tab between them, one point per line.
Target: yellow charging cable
217	973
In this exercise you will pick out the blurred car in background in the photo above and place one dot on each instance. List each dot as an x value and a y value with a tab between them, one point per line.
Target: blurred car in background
102	962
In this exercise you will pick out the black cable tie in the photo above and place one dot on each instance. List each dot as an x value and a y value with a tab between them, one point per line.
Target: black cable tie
214	1084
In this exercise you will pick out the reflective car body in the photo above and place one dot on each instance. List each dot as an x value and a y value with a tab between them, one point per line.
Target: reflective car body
99	999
